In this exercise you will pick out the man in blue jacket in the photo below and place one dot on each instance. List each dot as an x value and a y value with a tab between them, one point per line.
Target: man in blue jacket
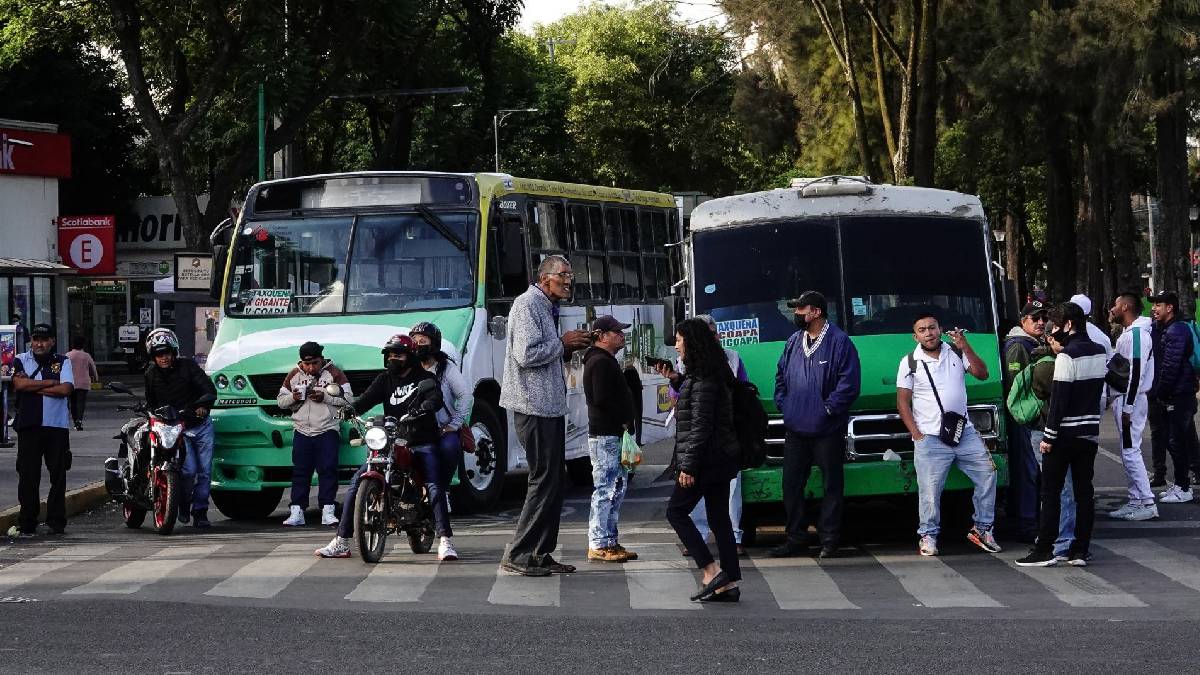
815	384
1174	392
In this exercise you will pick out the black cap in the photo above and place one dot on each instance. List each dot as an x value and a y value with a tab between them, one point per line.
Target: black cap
42	330
809	299
311	350
608	323
1032	308
1167	297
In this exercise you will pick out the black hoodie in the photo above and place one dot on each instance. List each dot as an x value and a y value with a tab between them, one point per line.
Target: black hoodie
399	396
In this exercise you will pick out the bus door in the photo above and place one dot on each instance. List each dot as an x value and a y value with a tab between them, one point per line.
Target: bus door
508	276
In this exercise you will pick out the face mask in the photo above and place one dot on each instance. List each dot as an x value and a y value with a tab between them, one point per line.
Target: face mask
424	351
397	367
1060	336
801	321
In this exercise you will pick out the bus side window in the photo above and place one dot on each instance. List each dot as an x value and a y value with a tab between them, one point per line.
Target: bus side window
623	263
508	276
587	253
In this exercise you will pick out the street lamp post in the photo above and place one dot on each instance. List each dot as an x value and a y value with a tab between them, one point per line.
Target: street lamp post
497	120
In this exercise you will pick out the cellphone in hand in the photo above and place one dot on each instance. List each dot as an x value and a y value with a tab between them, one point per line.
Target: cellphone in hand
654	363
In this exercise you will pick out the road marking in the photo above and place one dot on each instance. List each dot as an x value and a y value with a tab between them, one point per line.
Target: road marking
800	583
514	589
660	579
1073	585
22	573
1111	455
934	583
1178	567
267	576
133	577
396	581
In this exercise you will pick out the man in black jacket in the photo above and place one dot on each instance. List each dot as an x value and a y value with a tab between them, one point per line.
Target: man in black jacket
610	415
398	389
178	382
1172	399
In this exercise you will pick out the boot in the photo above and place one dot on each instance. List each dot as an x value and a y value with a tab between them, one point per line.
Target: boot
185	515
200	516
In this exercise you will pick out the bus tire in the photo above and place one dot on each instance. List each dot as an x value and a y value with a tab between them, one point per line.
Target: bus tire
579	470
239	505
479	486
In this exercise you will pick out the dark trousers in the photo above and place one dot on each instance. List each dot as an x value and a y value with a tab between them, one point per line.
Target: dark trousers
799	454
1024	471
438	463
78	404
714	490
315	453
1080	457
1156	417
1181	437
35	446
545	441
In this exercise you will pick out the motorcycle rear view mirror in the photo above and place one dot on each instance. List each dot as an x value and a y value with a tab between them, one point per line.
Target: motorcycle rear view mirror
119	387
334	390
427	386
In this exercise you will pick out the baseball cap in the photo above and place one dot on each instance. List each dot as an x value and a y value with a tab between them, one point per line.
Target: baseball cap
809	299
311	350
1033	307
1084	302
1168	297
607	322
42	330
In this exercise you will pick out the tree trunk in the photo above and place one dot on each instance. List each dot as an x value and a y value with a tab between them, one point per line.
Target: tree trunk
925	123
1012	246
1125	249
1173	229
885	110
1061	249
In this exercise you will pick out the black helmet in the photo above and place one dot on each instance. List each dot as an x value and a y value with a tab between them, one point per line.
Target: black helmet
430	331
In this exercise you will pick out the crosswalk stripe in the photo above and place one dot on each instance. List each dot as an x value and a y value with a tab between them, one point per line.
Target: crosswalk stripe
396	581
1178	567
514	589
800	583
1073	585
660	579
267	576
133	577
24	572
934	583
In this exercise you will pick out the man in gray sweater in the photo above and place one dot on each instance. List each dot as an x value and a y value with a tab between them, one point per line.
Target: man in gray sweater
535	390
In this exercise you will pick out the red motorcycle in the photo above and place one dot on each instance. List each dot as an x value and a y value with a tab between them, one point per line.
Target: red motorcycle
148	479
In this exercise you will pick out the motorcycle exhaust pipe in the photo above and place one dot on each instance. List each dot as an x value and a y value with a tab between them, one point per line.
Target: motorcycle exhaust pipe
113	482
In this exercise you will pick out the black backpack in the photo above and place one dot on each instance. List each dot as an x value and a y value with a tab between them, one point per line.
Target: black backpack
749	425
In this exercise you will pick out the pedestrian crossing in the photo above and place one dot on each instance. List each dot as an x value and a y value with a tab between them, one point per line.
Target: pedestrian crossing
1127	574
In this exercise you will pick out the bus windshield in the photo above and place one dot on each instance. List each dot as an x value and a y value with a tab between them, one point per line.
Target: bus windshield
333	265
877	273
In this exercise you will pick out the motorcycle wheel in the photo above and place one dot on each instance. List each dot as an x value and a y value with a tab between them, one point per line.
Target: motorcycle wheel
166	501
370	521
134	517
421	540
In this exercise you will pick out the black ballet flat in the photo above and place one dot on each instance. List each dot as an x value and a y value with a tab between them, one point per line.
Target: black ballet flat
732	595
718	581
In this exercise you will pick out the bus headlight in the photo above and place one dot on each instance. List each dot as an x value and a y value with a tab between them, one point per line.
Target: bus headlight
239	382
376	438
221	381
983	419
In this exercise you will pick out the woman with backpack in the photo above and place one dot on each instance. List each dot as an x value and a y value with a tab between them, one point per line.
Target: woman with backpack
706	458
440	463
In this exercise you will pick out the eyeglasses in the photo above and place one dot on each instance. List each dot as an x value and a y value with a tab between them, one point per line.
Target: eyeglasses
563	275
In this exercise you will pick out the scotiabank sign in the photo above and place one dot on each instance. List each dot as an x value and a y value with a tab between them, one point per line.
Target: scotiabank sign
88	243
34	153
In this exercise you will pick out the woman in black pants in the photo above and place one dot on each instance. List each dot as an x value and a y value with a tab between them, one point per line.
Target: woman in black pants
705	458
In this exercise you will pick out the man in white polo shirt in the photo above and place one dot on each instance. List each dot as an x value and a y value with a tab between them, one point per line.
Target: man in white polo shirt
930	383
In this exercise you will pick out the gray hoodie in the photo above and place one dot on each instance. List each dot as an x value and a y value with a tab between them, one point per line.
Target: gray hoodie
534	382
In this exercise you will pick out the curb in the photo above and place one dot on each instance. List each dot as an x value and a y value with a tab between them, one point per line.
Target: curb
78	500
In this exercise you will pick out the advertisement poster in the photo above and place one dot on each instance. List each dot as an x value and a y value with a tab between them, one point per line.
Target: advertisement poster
8	349
207	320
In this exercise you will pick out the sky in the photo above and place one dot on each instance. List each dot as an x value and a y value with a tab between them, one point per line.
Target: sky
547	11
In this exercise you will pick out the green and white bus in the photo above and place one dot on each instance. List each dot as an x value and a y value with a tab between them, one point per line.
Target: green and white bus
880	254
351	259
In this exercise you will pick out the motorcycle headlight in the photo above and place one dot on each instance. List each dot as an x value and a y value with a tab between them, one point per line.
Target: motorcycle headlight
376	438
168	434
221	381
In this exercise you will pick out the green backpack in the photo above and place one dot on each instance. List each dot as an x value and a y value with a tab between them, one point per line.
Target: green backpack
1023	405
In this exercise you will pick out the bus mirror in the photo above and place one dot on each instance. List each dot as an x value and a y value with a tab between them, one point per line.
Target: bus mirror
498	327
674	311
217	276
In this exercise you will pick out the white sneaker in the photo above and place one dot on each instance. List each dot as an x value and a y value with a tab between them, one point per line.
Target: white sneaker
928	545
1175	495
446	550
1143	512
327	515
338	548
1123	512
297	517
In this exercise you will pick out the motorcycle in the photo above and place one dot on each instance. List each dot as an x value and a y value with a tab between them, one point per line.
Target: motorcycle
391	493
148	481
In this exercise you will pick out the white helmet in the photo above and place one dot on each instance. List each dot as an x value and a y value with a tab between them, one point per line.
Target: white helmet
161	340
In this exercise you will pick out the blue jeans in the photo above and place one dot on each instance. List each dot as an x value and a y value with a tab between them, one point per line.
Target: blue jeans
700	516
1066	514
319	453
438	463
933	459
345	528
196	472
609	484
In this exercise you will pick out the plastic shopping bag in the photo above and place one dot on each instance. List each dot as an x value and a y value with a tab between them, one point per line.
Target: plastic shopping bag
631	454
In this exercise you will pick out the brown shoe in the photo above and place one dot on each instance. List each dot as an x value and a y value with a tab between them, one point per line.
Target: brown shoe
606	555
629	555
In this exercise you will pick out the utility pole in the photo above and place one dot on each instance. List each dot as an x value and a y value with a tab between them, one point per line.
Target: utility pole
552	42
497	120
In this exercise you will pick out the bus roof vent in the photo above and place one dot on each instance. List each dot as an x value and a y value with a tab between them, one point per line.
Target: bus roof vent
832	186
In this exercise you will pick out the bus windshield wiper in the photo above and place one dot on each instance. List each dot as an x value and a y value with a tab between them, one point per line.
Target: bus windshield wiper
439	225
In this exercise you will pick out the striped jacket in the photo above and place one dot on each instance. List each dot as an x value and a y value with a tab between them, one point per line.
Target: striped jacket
1074	409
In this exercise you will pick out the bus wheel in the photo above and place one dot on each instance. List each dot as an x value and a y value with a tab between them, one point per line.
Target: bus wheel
579	470
238	505
481	474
